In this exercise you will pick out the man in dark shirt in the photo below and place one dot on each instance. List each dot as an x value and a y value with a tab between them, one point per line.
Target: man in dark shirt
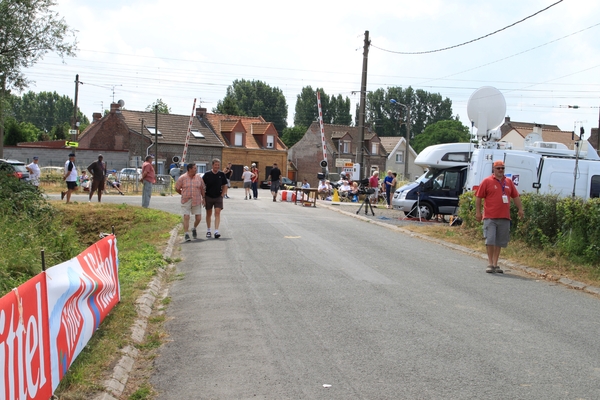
216	188
275	178
98	171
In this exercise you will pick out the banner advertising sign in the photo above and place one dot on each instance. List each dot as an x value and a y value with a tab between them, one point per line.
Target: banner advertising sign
47	321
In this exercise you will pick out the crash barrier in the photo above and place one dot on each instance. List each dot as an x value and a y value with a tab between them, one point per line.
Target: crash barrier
288	195
47	321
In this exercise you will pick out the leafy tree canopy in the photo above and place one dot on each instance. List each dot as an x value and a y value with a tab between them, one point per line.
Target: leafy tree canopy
336	110
254	99
28	30
163	108
292	135
448	131
388	119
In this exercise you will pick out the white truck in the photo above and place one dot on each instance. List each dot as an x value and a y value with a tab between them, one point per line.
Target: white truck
542	167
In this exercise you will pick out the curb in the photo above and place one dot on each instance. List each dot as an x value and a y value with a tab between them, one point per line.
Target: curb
115	385
538	273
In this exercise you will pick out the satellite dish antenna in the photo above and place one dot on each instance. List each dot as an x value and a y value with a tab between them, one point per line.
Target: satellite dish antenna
532	138
121	103
486	109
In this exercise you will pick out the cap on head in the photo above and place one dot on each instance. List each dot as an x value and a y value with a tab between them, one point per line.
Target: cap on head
100	156
36	158
246	168
253	164
71	154
499	163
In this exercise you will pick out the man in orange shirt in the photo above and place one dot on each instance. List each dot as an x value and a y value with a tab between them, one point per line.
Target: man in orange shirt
497	190
191	188
148	178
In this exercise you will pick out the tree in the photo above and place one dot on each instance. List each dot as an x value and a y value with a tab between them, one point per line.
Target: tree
336	110
388	119
163	108
292	135
28	30
254	99
448	131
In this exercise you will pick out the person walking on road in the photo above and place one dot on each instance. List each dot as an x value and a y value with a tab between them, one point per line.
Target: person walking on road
254	170
247	179
496	190
148	178
98	171
191	188
275	178
34	172
228	171
388	181
70	177
216	188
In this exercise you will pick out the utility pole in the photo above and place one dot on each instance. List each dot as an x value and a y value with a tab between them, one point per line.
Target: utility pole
407	155
361	109
156	138
74	125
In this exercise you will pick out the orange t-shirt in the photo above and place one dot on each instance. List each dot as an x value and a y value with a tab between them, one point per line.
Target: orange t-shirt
491	190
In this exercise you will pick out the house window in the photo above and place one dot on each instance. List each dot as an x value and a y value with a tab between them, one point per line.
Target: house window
270	141
239	139
374	148
345	147
400	157
152	130
196	133
201	168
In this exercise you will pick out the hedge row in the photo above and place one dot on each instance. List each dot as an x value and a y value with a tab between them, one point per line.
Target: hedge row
570	226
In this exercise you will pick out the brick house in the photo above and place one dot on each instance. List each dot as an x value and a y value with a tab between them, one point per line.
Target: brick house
342	142
395	146
515	132
248	140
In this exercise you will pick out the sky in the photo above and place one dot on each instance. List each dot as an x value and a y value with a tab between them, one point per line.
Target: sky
141	51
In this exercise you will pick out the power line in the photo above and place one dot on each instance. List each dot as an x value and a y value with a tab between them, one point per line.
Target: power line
470	41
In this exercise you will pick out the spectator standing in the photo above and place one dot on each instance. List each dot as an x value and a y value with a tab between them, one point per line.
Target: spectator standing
216	187
275	178
228	171
254	170
497	190
70	177
192	189
374	184
247	179
388	183
148	178
98	171
34	172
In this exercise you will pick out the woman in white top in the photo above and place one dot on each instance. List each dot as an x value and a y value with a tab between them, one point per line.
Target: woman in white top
247	178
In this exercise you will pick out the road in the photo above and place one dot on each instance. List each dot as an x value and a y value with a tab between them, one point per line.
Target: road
308	303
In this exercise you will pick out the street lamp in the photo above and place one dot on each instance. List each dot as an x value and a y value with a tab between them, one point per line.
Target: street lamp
406	154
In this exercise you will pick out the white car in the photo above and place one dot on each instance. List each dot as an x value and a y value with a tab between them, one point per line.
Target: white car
130	174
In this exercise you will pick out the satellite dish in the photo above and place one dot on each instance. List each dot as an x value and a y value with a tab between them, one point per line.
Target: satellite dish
486	108
532	138
121	103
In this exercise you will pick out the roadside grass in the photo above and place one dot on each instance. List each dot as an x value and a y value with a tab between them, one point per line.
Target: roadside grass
141	235
517	251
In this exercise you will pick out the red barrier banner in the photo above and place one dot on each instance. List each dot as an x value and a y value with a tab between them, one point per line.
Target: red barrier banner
24	342
81	292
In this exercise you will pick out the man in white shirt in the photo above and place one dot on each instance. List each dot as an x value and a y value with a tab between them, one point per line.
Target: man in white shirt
34	172
324	189
70	177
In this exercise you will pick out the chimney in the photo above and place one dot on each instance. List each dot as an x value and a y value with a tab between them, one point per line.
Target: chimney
114	107
200	112
96	117
537	128
506	120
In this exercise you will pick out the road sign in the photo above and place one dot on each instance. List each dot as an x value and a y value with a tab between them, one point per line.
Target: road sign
71	144
340	162
73	132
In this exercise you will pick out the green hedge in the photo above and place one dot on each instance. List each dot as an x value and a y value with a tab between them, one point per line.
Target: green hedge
565	225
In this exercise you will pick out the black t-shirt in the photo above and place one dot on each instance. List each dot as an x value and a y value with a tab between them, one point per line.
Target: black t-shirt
214	183
275	174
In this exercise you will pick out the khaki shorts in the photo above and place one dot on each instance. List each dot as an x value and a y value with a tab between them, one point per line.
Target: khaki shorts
188	209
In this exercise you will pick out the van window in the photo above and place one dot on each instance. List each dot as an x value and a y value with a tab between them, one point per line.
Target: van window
595	186
456	157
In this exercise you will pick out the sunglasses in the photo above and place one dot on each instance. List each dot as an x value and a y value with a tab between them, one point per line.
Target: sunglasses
500	168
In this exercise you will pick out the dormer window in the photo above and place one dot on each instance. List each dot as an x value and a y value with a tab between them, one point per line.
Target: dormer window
152	130
374	148
239	139
196	133
270	141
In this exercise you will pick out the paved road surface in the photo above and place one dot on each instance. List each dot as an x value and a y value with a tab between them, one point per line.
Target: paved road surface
291	299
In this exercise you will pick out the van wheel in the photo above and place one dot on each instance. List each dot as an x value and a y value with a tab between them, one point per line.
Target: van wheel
426	211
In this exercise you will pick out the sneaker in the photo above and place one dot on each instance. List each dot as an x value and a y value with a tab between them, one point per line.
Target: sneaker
122	194
208	235
217	235
194	233
490	269
256	198
245	197
62	195
226	196
498	270
187	237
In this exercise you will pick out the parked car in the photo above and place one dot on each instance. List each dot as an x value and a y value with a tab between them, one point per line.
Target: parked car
284	182
130	174
14	167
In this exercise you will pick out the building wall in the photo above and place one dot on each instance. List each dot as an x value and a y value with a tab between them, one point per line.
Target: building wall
414	171
516	139
264	160
307	155
57	157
